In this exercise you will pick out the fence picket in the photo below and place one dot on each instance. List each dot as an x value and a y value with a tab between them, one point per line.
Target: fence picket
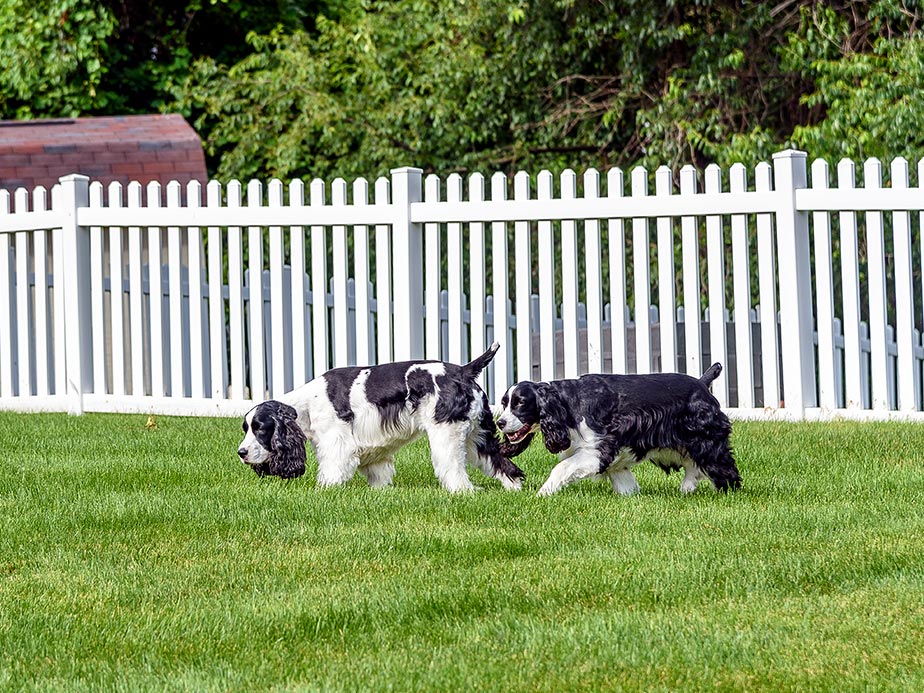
432	277
875	245
766	287
199	353
454	273
319	324
850	283
501	294
236	296
279	343
477	274
616	231
302	361
593	257
176	359
43	363
339	271
136	296
547	300
7	326
117	295
97	295
715	279
24	329
824	292
689	241
156	295
741	275
904	292
59	334
641	268
666	275
364	353
523	282
569	277
383	274
217	340
255	306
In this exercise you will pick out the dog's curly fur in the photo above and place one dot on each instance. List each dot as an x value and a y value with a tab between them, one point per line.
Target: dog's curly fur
605	424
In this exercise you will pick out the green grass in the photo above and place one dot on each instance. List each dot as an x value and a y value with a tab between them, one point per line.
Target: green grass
135	559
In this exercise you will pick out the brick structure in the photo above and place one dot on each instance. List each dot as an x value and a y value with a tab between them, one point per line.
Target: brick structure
117	148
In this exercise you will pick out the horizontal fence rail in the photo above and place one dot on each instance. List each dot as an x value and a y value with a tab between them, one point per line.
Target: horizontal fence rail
803	281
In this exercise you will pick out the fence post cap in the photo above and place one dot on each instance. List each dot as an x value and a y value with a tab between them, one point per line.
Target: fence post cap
406	169
78	177
790	154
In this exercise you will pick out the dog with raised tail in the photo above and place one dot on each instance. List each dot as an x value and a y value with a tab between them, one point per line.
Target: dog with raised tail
356	418
607	424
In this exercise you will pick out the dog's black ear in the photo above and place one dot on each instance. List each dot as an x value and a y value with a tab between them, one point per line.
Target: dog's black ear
288	446
553	418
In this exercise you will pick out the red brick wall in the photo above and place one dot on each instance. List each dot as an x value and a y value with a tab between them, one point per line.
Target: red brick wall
122	148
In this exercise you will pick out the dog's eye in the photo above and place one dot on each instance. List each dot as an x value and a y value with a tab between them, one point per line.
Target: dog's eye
244	426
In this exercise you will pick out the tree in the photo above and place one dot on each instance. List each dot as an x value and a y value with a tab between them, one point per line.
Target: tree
83	57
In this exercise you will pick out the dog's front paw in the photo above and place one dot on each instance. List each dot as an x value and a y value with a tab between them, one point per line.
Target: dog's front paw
546	491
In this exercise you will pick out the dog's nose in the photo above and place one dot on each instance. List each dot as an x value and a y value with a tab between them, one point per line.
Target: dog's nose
502	423
242	453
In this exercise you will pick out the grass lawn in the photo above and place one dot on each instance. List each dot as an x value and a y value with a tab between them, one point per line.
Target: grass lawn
151	559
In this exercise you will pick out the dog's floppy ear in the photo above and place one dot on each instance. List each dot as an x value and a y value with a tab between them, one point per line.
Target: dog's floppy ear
553	418
288	445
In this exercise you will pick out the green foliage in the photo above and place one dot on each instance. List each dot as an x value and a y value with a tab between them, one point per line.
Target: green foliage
383	89
873	103
83	57
354	87
52	57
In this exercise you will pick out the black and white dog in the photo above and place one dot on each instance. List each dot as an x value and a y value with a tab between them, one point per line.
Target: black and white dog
606	424
356	418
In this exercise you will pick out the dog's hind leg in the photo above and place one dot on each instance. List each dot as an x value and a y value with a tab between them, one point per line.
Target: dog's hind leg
448	442
582	465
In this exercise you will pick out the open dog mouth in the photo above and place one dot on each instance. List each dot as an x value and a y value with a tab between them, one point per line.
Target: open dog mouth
520	433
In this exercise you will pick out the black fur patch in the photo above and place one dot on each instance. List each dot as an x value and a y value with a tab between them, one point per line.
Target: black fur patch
387	390
456	396
339	381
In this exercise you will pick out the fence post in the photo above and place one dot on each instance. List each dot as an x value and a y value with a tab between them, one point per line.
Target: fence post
795	283
407	264
78	352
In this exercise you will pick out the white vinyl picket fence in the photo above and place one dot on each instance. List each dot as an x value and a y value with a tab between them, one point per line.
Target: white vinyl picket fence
145	299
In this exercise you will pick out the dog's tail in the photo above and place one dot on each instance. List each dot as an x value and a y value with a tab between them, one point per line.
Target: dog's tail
473	369
711	374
